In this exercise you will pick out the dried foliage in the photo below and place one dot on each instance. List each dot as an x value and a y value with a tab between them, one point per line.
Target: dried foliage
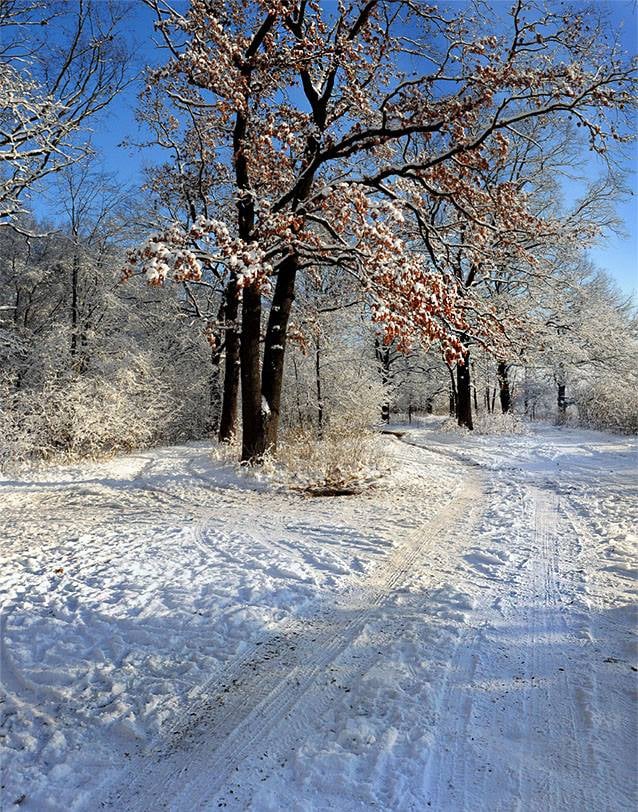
327	151
347	460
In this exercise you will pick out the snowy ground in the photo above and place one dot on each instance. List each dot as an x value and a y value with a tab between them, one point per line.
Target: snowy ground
175	637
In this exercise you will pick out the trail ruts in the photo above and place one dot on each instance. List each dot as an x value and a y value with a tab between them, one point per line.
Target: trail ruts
259	704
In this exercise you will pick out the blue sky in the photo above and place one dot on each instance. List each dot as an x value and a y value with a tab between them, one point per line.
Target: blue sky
618	254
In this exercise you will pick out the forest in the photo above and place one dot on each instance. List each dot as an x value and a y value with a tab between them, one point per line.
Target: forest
351	212
318	405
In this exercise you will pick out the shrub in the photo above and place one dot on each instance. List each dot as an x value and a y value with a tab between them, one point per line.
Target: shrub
491	424
607	406
345	461
91	416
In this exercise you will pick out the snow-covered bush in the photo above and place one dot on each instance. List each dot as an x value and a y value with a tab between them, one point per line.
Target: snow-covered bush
89	416
487	424
450	426
496	423
605	405
229	452
342	462
127	373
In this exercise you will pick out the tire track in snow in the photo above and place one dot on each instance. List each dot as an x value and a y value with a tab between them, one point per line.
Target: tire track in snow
251	709
510	681
558	695
570	699
457	768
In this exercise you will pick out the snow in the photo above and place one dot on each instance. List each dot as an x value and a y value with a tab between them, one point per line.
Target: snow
178	635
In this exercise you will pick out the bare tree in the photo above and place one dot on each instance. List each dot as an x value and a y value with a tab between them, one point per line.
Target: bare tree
59	65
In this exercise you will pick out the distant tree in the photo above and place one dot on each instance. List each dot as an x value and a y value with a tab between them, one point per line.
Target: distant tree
588	351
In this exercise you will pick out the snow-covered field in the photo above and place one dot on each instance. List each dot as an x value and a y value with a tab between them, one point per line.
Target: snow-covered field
461	638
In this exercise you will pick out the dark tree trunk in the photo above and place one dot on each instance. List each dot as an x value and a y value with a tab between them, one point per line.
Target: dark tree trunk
318	386
253	444
249	350
83	351
228	417
382	352
464	393
562	403
274	351
502	371
297	400
452	392
215	400
385	412
487	400
429	406
473	385
75	307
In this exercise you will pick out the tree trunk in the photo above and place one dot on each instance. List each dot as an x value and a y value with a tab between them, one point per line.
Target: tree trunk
382	352
253	442
297	399
473	386
75	308
502	371
385	412
464	393
319	398
274	351
228	417
214	398
562	403
452	392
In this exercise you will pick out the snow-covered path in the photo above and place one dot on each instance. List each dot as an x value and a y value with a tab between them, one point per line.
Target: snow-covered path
258	708
462	640
523	724
538	710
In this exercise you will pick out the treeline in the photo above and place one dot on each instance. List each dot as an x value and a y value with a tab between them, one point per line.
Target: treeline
331	236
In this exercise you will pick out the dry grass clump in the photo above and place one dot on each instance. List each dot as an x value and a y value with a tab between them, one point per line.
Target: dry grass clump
491	424
488	424
344	461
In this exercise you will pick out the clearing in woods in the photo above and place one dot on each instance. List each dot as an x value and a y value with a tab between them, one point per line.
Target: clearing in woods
175	638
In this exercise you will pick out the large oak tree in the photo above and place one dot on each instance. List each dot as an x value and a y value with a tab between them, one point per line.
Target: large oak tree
337	125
